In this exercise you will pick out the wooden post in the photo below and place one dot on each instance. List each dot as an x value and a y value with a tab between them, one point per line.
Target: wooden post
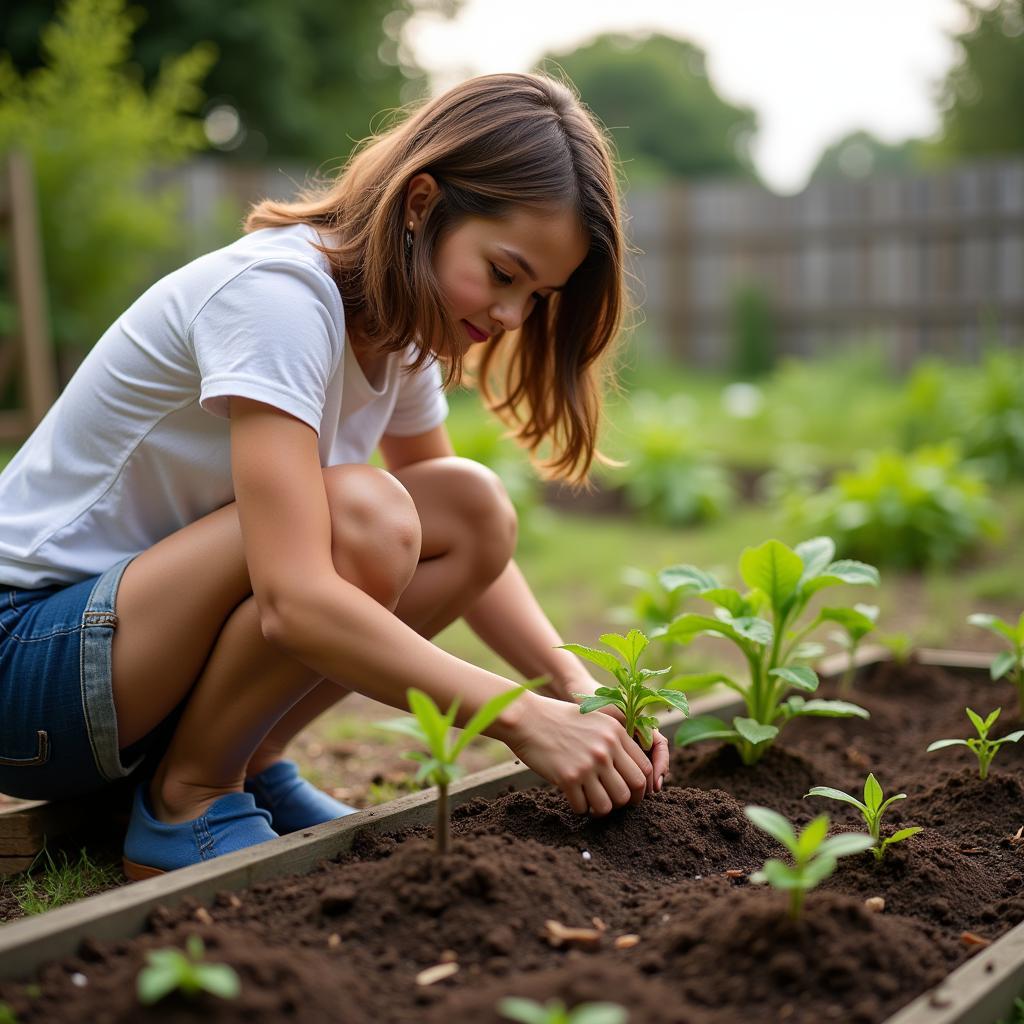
31	349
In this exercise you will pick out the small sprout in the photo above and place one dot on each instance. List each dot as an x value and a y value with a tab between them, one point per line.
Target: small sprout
170	970
814	856
7	1015
873	807
432	728
526	1011
984	748
855	623
1009	662
631	694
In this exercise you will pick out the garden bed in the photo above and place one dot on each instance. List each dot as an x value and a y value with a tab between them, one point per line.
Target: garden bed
680	934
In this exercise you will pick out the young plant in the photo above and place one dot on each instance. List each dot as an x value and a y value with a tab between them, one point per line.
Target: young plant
631	694
814	856
1010	662
781	582
526	1011
984	748
433	729
855	624
7	1015
873	807
170	970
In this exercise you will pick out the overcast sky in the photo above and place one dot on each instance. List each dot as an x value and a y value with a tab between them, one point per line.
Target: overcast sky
813	70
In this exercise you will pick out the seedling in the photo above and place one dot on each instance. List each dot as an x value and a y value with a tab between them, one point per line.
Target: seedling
984	748
855	623
782	581
7	1015
814	856
526	1011
873	807
632	696
1010	662
170	970
433	729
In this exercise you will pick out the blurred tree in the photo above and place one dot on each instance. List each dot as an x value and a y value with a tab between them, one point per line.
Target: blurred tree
860	154
95	136
983	95
305	77
654	95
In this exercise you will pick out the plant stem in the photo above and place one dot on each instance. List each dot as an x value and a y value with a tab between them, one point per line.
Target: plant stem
444	845
796	899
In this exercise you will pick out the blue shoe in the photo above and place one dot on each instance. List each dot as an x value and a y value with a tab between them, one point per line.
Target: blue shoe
293	802
151	847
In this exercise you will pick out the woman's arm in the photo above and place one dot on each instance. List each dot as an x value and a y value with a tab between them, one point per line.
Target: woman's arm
314	614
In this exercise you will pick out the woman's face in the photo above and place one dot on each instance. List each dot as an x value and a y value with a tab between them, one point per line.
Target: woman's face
492	272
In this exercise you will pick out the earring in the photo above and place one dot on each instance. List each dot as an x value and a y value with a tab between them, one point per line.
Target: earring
408	242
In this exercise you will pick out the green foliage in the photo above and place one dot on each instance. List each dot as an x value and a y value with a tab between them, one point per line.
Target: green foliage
872	808
325	69
922	509
667	477
170	970
984	748
983	93
1018	1013
859	154
7	1015
526	1011
432	728
631	694
654	95
752	331
781	582
1010	662
814	856
95	136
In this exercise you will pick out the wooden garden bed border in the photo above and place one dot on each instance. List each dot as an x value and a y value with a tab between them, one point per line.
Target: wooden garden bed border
977	992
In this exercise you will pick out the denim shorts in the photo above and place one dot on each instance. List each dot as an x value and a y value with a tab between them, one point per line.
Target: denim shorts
58	729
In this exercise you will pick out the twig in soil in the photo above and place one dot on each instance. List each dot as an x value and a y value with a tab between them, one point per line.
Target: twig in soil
432	975
558	934
972	939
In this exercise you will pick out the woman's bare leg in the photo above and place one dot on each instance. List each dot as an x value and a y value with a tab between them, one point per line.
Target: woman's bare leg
469	533
209	645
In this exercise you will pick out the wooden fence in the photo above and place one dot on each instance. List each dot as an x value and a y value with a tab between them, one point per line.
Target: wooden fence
924	263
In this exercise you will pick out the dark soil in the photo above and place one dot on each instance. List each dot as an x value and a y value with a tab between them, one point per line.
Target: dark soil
345	942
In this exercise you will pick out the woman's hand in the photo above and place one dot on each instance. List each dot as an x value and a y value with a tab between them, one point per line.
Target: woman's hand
658	754
589	757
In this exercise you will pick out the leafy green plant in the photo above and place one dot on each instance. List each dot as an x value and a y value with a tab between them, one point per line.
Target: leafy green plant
872	808
1009	662
994	438
631	694
814	856
907	510
95	136
668	477
170	970
526	1011
7	1015
855	623
432	728
781	581
984	748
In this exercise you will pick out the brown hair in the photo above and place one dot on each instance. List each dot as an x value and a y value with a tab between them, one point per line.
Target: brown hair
492	143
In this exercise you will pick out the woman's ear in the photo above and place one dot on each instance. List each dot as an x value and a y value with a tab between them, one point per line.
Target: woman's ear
421	194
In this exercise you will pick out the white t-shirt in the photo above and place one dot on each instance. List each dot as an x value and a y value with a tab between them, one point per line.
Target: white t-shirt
138	445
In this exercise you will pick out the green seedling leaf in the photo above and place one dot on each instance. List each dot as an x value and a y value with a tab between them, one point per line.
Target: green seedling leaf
812	837
753	731
904	833
602	658
773	568
816	555
835	794
483	718
940	744
830	708
1002	664
596	702
775	825
630	646
994	625
731	600
706	727
676	700
688	577
526	1011
170	970
845	844
799	676
984	748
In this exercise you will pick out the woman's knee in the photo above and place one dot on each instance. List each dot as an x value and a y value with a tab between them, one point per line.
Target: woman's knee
375	530
489	526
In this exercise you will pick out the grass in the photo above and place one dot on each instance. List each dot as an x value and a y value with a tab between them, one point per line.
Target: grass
54	882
